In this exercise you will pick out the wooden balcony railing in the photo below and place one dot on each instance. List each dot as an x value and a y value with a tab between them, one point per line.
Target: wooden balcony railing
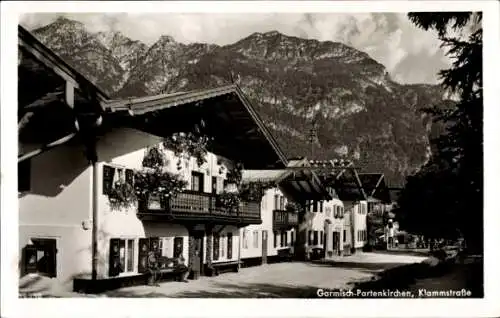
284	220
195	206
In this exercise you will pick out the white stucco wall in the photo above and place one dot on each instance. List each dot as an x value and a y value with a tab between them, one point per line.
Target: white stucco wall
57	205
267	208
125	148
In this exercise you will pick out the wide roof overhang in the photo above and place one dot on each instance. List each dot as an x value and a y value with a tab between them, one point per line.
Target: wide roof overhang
223	113
52	95
299	184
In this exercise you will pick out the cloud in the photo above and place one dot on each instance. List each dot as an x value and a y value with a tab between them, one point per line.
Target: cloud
411	55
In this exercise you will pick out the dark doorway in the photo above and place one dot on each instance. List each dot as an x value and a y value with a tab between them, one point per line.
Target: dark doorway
197	254
336	243
197	181
264	247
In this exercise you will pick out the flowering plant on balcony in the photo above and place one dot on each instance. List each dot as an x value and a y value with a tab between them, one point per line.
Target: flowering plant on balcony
254	191
189	144
121	195
155	181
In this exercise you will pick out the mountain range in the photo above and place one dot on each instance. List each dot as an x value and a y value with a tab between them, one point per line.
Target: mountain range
357	110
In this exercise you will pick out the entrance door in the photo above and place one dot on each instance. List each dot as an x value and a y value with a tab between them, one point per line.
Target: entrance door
198	253
264	246
336	242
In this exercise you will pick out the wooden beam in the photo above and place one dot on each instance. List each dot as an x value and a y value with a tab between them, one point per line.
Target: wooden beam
46	147
50	63
69	94
44	100
24	121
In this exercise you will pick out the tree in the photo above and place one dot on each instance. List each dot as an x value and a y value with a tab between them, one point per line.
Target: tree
445	197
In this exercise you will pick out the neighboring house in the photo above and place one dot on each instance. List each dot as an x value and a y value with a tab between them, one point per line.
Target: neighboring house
68	227
350	191
326	226
378	198
276	237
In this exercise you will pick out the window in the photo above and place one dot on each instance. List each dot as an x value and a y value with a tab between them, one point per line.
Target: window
197	181
321	206
245	238
24	175
121	256
275	239
255	238
222	245
41	257
286	238
229	245
110	175
276	202
315	238
310	236
292	238
345	236
216	247
316	206
282	202
321	237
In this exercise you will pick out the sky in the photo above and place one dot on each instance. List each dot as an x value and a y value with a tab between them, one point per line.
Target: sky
411	55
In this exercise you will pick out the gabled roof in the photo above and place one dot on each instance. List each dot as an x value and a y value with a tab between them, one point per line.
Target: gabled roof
300	184
50	94
225	112
375	187
44	76
29	44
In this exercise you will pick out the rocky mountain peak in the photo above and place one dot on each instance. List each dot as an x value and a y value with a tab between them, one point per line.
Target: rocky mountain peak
359	111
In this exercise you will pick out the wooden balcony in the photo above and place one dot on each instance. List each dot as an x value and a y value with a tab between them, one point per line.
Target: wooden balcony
284	220
191	206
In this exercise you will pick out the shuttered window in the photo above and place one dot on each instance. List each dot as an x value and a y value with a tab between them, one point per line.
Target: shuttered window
108	174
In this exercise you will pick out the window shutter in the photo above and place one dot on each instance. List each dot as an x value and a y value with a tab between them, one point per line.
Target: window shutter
30	262
129	176
108	174
216	247
114	257
275	238
229	245
143	255
178	246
